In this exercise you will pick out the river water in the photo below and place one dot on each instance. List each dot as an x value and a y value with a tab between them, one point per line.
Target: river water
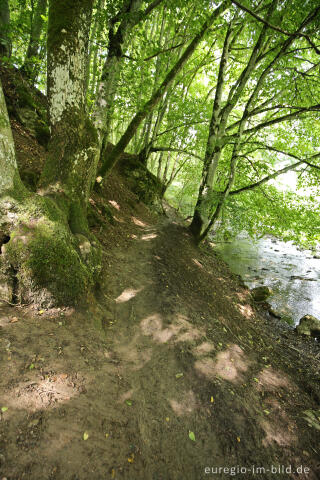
293	275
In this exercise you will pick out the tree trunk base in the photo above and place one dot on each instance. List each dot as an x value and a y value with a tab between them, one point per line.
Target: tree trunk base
41	261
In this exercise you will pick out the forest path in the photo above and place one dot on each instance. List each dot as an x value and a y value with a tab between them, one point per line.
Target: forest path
167	376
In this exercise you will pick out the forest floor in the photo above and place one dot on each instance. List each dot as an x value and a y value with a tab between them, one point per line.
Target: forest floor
173	374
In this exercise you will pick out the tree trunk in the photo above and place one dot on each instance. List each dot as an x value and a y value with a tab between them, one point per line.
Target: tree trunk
73	149
209	200
30	66
111	70
159	93
5	42
48	255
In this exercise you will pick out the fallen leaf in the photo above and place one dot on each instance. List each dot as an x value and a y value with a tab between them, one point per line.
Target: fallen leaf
179	375
14	320
128	402
113	473
85	436
211	399
192	436
107	435
31	367
4	409
131	458
167	419
238	439
41	312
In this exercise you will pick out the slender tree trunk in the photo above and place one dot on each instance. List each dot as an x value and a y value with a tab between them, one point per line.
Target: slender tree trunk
158	95
111	70
94	37
207	197
32	58
5	42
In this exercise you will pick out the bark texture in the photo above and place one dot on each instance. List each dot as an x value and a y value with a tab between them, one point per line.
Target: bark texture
73	150
48	255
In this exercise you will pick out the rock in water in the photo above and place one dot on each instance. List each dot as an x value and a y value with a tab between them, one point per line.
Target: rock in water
309	325
260	294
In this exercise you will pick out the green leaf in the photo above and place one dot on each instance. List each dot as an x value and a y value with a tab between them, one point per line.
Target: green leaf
192	436
179	375
31	367
128	402
4	409
85	436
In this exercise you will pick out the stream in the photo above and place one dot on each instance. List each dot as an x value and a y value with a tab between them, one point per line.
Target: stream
292	274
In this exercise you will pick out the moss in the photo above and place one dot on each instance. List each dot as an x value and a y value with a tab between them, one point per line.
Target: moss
51	266
25	98
47	260
42	133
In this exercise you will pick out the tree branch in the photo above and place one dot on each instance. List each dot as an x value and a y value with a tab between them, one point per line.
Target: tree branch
178	150
278	172
277	29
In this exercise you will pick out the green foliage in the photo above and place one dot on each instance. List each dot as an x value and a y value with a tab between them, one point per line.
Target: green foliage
181	121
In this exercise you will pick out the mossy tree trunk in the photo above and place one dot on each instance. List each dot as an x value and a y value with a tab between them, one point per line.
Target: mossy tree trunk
48	256
70	170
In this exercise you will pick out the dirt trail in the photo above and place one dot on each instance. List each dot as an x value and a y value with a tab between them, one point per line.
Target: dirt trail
175	347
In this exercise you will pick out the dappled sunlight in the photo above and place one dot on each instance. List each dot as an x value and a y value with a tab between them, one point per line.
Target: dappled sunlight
186	405
126	396
281	431
132	354
39	395
242	296
271	380
180	330
196	262
203	349
117	219
114	204
230	364
127	294
148	237
246	310
139	222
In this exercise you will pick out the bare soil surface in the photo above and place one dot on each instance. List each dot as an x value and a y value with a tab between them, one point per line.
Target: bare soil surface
173	371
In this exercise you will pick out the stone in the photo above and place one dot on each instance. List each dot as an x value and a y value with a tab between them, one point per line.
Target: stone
260	294
309	325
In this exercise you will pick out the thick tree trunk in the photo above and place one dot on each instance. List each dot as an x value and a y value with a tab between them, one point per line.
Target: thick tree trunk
73	150
30	66
45	255
5	42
